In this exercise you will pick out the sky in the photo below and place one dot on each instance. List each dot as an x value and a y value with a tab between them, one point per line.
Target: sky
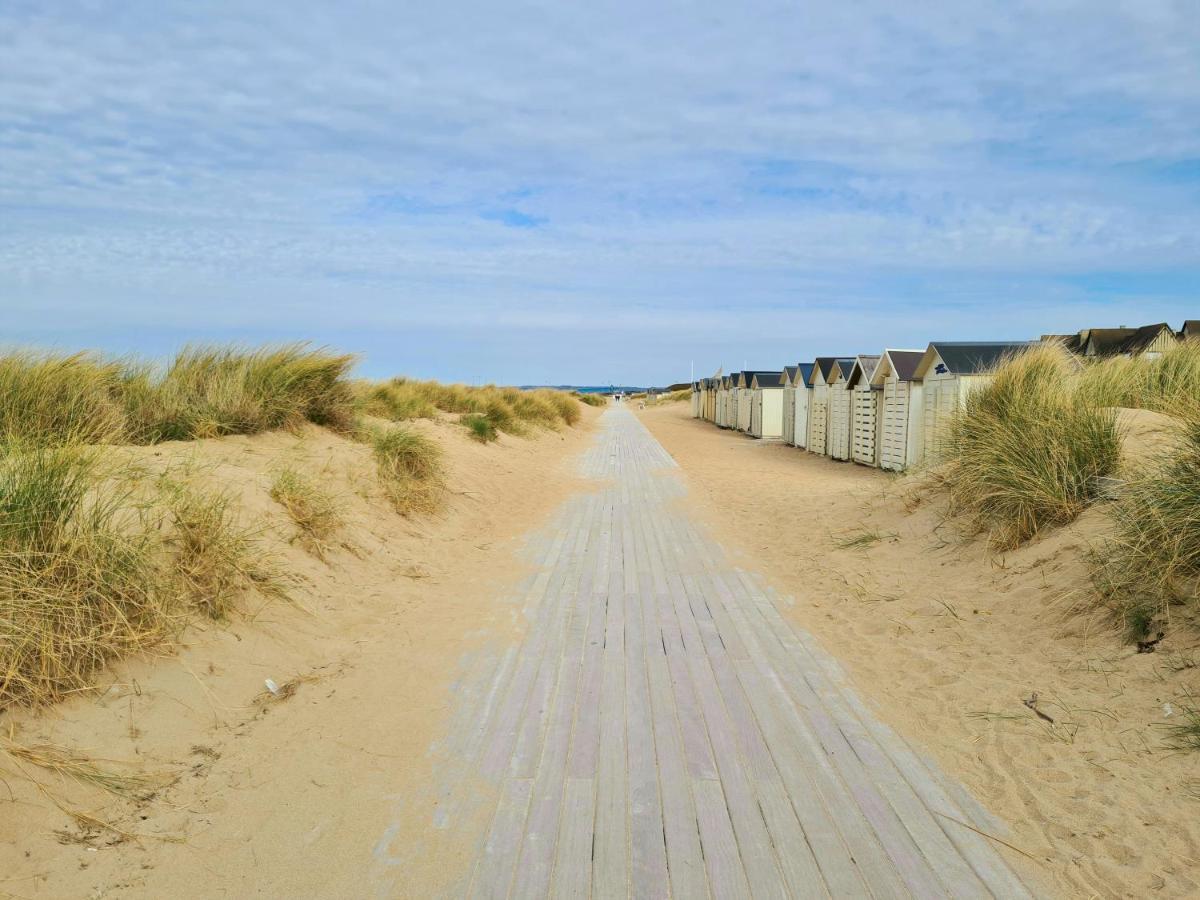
594	193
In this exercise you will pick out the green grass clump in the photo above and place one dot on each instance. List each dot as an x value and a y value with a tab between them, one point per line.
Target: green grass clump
480	427
1152	563
591	399
509	410
314	510
215	391
78	585
1168	384
58	400
50	398
216	559
1025	453
410	469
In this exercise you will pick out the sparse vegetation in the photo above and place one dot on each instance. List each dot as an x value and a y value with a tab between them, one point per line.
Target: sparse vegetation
508	410
1026	451
1152	563
315	511
480	427
410	469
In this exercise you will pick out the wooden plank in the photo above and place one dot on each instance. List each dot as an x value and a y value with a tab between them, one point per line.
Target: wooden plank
573	858
721	859
494	869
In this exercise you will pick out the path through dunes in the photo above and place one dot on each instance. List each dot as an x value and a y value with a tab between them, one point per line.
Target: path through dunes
663	731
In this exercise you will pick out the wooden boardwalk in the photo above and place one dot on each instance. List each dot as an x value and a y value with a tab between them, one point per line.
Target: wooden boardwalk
663	731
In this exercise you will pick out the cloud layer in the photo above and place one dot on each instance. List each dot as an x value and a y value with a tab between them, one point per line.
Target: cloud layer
531	192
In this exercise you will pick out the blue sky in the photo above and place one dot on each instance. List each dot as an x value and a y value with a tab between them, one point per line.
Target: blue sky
594	193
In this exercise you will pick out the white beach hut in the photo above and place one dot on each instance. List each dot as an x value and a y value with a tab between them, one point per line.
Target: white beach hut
766	413
899	409
788	378
804	391
864	411
948	371
818	410
744	401
840	420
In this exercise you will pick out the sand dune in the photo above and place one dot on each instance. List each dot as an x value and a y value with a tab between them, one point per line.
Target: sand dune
283	794
948	641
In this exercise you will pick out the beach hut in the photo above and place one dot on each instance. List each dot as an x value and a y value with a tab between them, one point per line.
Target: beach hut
719	401
745	400
864	406
766	412
948	371
818	404
899	409
695	398
1190	329
788	378
1147	340
838	438
804	390
725	401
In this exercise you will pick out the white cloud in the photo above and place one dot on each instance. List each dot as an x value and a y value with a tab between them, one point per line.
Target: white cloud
232	167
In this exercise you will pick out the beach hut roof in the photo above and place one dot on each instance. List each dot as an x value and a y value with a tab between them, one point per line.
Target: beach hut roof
1191	328
767	380
863	368
1143	337
804	375
844	365
789	374
903	362
824	365
750	374
968	357
1072	342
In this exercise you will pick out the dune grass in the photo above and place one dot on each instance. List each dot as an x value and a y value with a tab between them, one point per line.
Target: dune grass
1168	384
1152	564
506	410
314	510
591	399
56	399
410	469
1025	452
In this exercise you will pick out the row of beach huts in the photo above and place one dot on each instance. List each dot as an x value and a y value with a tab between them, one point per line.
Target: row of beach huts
888	410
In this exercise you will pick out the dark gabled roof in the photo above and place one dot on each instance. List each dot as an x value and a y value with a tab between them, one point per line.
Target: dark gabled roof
1108	341
969	358
1143	337
1071	342
805	372
845	364
864	364
768	379
905	362
825	365
761	375
789	372
1191	328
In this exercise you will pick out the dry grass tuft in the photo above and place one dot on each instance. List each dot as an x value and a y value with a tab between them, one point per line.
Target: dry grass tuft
591	399
508	410
1026	452
410	469
205	392
216	559
1152	563
316	512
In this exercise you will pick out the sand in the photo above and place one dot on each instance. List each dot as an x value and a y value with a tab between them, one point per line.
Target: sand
946	641
315	794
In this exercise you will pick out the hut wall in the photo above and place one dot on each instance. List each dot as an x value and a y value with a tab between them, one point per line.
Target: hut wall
864	413
803	396
818	418
840	420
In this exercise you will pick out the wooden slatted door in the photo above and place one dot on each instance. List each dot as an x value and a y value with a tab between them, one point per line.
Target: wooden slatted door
789	415
863	449
893	449
839	423
817	419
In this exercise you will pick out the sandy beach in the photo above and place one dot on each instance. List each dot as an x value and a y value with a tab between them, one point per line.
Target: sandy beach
946	641
297	796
